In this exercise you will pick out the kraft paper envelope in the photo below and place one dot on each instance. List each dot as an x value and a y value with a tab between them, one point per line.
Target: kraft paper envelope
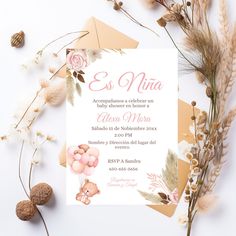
100	35
103	36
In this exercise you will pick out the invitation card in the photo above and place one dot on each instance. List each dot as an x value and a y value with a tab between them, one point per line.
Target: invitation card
122	127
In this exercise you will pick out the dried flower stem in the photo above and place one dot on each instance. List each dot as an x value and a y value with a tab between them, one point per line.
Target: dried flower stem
61	37
24	188
31	169
34	99
182	54
129	16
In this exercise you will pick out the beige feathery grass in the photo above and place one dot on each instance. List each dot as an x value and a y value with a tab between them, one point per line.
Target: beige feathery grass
55	93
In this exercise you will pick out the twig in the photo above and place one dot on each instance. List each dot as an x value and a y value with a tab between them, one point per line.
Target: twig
19	168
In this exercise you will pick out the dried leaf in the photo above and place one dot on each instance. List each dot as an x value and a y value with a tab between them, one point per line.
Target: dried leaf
70	89
81	72
156	199
163	196
80	78
170	173
165	202
75	74
78	89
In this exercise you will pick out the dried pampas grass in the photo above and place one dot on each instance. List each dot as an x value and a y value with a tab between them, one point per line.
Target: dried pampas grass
55	93
206	203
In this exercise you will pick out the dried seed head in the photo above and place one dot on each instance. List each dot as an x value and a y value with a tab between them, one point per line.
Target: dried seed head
194	187
188	3
187	198
194	103
193	117
117	6
18	40
194	162
196	171
209	92
162	22
202	118
189	156
25	210
200	137
41	194
187	192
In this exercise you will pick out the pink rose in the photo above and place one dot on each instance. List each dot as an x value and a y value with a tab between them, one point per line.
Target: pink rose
77	60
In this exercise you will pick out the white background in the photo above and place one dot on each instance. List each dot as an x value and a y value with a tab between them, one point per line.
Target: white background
42	21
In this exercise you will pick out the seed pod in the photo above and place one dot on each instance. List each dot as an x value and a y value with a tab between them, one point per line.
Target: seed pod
209	92
18	40
162	22
41	194
25	210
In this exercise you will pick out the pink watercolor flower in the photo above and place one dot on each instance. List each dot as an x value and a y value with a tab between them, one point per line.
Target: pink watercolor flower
77	60
174	196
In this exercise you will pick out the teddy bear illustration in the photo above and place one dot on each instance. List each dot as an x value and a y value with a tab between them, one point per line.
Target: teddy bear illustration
88	190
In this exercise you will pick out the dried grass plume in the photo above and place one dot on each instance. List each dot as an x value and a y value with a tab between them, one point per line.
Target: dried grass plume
55	93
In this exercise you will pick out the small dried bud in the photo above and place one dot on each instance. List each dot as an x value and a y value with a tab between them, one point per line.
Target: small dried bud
44	83
117	6
199	137
194	187
200	182
50	138
36	110
188	3
189	156
187	198
162	22
194	103
196	171
209	92
202	118
3	138
39	134
193	117
187	192
194	162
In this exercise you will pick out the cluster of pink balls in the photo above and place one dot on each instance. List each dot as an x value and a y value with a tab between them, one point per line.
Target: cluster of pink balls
82	159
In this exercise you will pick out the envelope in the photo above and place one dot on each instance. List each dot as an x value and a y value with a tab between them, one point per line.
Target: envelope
102	35
184	134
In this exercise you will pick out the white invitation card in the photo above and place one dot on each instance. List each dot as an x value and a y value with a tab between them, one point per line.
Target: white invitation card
122	127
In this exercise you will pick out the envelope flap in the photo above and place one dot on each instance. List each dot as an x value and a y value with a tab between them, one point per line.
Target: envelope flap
91	39
110	38
102	35
183	172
